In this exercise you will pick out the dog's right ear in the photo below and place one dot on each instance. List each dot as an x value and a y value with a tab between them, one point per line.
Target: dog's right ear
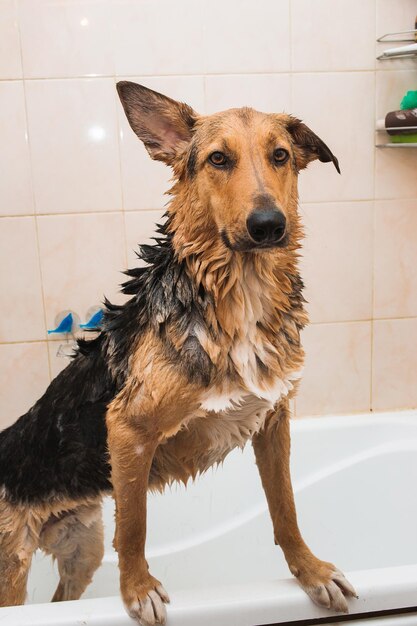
164	125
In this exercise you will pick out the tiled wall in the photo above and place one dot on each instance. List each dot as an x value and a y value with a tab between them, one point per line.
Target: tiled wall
77	190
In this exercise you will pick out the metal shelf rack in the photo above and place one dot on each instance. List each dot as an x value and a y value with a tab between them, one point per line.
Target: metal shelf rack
397	145
398	37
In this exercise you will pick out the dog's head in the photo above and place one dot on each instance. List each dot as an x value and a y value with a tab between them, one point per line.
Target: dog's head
241	165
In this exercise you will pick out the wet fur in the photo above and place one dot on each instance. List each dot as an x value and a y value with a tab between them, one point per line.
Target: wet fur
203	356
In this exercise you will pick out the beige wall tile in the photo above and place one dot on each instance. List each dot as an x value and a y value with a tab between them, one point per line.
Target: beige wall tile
74	145
158	37
395	281
394	15
394	380
82	47
81	259
337	260
319	44
395	173
145	181
24	377
10	60
16	197
239	39
338	369
342	113
58	349
265	92
22	317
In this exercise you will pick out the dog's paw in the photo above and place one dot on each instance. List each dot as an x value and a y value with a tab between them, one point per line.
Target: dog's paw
325	584
145	602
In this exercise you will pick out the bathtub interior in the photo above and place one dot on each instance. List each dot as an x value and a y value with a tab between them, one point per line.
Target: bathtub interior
354	480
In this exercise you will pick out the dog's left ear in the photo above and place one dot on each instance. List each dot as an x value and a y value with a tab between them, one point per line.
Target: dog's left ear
308	146
164	125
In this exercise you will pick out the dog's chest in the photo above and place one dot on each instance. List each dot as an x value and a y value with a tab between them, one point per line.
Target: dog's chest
237	407
232	427
233	399
255	372
234	415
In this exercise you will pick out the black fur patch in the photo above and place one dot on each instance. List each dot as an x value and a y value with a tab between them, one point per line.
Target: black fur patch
59	447
225	239
192	162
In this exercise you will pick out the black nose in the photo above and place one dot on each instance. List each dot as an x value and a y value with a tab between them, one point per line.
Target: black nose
266	226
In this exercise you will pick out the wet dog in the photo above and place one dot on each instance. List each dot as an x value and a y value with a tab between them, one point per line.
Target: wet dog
203	357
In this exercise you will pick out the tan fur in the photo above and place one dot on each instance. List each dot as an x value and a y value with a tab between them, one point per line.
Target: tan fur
19	537
162	427
75	539
62	529
160	418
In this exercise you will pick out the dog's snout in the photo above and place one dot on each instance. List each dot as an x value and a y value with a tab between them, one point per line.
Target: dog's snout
266	226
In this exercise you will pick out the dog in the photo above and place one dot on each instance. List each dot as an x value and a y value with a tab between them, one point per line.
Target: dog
204	356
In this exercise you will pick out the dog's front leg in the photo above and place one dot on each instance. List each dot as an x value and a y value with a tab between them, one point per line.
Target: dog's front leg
131	454
322	581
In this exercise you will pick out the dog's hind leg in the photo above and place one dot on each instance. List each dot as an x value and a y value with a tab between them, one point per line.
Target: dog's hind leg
75	539
19	538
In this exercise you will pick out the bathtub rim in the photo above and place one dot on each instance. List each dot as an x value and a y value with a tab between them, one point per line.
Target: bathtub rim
342	420
385	589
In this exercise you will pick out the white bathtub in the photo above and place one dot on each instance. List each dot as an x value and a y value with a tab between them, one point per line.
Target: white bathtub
355	481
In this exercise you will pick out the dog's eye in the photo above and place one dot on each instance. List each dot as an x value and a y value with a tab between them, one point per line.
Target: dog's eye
218	159
280	155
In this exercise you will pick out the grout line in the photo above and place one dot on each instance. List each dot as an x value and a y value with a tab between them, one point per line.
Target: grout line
43	292
371	385
122	195
201	74
290	35
291	83
34	206
17	5
53	340
204	19
110	212
24	341
353	412
375	35
373	303
366	320
119	210
371	373
206	108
